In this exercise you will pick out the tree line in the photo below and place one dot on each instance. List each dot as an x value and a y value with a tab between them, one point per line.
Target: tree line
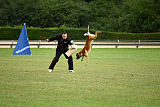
133	16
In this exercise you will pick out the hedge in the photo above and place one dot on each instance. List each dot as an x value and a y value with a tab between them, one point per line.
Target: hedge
12	33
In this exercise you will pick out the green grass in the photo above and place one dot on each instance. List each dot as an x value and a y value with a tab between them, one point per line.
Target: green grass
113	77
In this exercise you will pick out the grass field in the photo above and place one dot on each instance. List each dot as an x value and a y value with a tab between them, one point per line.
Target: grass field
113	77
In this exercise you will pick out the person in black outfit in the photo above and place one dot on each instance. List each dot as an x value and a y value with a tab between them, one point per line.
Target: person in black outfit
63	46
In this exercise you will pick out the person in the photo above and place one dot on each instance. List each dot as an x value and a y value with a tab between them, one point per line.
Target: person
63	46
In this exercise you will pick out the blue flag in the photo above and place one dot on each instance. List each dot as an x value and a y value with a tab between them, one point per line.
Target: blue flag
22	47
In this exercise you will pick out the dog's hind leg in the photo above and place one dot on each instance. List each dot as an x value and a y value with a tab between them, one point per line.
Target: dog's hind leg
96	33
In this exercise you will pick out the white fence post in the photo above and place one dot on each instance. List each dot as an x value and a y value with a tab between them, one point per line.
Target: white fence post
12	44
118	40
39	44
139	41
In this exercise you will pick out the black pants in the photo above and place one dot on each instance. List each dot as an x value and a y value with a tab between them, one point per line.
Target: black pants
56	59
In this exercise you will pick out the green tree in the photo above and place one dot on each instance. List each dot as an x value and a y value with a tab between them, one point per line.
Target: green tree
99	14
108	15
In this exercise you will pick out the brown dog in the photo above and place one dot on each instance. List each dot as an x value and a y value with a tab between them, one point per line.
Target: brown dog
87	47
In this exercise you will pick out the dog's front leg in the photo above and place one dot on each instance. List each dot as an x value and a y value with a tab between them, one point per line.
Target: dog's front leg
86	55
82	58
87	59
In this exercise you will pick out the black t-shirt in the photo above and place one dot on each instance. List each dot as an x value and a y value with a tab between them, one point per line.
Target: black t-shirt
63	44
